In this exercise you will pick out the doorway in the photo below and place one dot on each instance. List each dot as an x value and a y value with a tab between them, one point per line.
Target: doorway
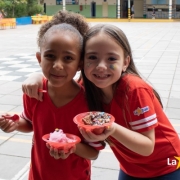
124	8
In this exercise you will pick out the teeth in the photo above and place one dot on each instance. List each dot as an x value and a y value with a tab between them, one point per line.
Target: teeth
102	76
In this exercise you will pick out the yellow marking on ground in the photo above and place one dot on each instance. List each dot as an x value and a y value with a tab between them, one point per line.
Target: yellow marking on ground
106	20
15	139
131	20
2	137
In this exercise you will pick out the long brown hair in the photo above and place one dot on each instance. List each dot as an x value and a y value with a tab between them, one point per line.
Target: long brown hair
94	94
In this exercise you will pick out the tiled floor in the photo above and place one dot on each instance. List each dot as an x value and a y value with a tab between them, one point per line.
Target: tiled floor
17	68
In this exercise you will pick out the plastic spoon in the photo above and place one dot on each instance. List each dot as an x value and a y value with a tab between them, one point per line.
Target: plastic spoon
41	90
15	117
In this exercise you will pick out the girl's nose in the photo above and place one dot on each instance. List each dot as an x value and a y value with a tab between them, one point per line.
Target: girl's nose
58	65
101	66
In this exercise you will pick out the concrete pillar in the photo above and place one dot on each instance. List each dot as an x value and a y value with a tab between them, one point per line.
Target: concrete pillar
129	10
174	8
64	5
144	8
170	9
118	9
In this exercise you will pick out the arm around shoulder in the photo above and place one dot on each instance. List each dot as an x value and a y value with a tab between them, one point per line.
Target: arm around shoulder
32	84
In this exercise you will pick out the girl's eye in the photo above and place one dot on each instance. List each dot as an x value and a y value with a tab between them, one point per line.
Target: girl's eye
111	59
68	58
92	57
49	56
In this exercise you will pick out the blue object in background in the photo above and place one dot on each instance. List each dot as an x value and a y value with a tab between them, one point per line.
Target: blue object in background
23	20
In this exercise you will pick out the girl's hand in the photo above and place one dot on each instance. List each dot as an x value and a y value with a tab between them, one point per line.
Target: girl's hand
57	153
32	85
91	137
8	125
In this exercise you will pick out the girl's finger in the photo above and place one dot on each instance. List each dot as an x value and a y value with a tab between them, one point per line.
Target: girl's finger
24	89
11	128
51	151
55	153
40	96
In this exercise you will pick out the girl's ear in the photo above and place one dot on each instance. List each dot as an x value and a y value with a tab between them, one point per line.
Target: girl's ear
126	63
38	56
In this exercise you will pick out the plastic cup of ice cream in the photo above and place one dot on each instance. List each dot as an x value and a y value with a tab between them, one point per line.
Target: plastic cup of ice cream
63	145
96	129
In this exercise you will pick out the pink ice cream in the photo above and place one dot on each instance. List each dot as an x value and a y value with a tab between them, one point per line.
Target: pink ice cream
59	136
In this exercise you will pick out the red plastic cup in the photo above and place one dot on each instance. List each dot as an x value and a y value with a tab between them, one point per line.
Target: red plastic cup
96	129
62	146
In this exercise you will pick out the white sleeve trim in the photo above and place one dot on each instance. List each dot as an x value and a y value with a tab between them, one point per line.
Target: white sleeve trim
144	125
144	120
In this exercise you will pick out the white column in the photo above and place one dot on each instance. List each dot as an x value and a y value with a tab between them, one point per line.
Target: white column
129	10
118	9
170	9
64	5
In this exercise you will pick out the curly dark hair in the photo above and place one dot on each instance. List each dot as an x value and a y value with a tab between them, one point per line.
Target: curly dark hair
76	20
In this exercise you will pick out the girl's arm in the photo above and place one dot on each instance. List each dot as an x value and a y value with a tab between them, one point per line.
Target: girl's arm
24	126
81	149
141	143
32	84
86	151
8	125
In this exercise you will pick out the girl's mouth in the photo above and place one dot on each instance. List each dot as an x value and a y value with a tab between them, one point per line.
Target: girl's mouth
101	76
57	76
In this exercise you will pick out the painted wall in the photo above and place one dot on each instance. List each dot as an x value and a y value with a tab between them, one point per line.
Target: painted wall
50	2
52	9
138	8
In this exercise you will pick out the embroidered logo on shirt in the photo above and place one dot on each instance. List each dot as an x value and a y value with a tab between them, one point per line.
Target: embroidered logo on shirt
139	111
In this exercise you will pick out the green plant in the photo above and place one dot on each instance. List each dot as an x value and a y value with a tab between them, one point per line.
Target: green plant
11	5
36	9
19	8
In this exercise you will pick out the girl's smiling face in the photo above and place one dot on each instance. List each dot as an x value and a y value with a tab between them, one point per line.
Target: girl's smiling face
60	58
104	61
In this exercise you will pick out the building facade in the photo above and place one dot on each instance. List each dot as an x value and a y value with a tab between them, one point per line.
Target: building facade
164	9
